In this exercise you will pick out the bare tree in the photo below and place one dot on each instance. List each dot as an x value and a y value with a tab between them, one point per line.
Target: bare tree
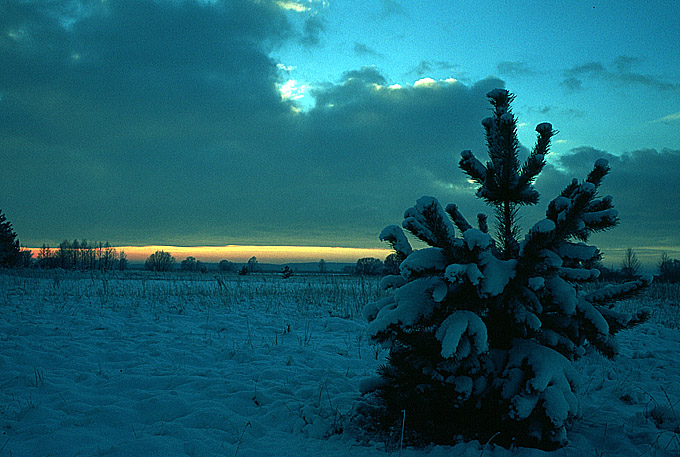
159	261
122	261
631	264
45	257
368	266
190	264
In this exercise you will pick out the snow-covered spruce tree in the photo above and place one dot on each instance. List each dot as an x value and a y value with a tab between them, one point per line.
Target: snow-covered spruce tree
481	331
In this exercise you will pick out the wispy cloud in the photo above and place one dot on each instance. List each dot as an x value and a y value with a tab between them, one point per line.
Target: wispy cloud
427	68
392	8
507	68
364	50
312	30
572	84
556	110
671	118
620	72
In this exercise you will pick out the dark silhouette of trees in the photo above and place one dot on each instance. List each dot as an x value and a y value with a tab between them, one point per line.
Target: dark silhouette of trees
191	264
82	255
368	266
25	259
250	267
391	264
9	244
225	266
122	261
159	261
253	265
188	264
45	258
669	269
322	266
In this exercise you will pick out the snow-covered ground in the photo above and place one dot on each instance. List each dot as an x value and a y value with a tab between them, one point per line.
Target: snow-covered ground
259	366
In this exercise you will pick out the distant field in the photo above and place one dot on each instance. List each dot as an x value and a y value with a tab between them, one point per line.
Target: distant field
188	364
333	294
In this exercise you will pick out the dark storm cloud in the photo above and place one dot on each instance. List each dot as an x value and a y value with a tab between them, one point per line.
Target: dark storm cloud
620	72
118	129
367	74
642	183
161	122
119	113
369	151
139	71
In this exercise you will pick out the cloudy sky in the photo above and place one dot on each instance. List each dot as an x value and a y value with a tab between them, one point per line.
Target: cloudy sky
317	123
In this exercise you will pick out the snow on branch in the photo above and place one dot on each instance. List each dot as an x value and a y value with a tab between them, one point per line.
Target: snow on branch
539	378
576	251
462	334
482	331
428	221
473	167
458	217
394	235
616	291
409	303
422	261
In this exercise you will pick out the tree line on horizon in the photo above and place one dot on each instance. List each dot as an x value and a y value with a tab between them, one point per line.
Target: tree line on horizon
81	255
102	256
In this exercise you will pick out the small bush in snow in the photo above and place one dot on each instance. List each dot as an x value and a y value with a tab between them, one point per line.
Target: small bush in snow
482	331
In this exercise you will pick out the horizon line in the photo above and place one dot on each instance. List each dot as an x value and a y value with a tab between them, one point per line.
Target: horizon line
240	253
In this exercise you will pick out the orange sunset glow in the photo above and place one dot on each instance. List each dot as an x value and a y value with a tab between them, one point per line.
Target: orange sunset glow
266	254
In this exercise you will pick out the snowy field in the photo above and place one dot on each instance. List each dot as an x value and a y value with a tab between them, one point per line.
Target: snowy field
141	365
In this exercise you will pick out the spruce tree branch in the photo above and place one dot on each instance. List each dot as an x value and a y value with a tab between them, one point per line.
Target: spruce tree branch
428	221
458	218
614	292
473	167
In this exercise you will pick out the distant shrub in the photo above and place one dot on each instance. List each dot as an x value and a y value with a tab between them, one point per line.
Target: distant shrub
159	261
287	272
225	266
191	264
368	266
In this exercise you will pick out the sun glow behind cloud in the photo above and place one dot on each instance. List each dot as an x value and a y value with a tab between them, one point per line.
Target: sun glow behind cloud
266	254
293	6
291	90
